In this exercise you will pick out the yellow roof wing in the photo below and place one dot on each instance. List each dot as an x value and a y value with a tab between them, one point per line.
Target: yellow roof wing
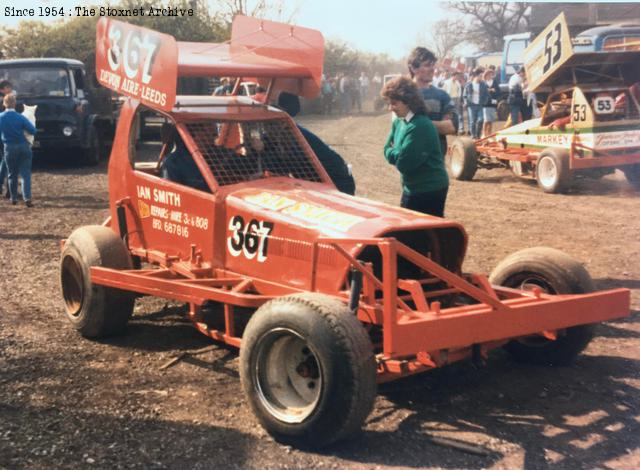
550	62
548	52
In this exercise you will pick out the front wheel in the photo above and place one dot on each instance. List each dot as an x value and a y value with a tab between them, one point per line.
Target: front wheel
554	272
462	159
552	170
308	370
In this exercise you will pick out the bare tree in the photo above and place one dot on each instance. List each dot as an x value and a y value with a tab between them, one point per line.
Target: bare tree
488	22
445	37
277	10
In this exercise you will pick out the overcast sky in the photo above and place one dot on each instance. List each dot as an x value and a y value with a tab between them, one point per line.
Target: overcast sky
379	26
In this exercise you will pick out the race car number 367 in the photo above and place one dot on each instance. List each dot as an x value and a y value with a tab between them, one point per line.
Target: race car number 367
250	239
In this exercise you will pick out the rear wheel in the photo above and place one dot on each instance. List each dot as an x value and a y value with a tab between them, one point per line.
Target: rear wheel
553	272
462	159
632	173
95	311
308	369
552	170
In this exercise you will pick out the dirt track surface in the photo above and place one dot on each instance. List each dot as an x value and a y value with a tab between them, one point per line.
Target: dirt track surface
66	402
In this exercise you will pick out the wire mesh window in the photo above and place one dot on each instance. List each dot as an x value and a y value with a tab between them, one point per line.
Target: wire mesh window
238	151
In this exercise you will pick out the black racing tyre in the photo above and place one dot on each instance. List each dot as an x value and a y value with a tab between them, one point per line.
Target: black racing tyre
308	370
552	170
462	158
91	154
554	272
95	311
632	173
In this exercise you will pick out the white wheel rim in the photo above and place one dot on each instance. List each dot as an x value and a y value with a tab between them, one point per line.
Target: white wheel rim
547	172
457	160
287	375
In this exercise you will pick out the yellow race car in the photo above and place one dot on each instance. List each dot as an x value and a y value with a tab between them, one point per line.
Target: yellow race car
589	125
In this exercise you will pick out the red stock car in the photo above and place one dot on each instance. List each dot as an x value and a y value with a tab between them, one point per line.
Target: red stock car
347	292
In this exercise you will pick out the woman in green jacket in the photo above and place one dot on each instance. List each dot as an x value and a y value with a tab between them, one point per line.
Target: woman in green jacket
414	149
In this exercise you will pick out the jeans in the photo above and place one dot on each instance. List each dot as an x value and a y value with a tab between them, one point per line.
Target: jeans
431	202
3	170
460	110
18	158
475	120
345	102
515	114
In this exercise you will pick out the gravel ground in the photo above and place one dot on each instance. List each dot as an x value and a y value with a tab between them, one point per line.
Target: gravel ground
66	402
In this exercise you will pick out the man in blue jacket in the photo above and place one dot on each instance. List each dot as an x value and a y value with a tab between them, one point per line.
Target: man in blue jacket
17	151
440	108
5	89
333	163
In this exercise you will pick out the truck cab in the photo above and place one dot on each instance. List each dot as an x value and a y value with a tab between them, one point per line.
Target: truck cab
71	115
512	56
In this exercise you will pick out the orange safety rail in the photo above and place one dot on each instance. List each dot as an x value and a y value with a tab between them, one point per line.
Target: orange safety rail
498	313
499	150
418	331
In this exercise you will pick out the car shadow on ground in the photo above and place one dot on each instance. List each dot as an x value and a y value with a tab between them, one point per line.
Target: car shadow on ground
86	439
611	283
539	410
540	416
605	186
29	236
616	329
163	330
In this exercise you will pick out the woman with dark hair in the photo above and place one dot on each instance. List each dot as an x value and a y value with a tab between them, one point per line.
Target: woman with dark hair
413	147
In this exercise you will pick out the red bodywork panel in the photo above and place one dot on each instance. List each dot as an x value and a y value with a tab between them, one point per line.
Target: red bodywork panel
137	62
302	212
145	64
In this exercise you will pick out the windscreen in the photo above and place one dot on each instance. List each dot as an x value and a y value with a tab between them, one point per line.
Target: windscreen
30	81
238	151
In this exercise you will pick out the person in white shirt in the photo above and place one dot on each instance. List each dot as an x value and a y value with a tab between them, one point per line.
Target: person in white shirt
364	86
476	95
453	87
516	97
489	113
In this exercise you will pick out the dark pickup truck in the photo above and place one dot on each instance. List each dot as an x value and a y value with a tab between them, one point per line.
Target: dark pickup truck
73	116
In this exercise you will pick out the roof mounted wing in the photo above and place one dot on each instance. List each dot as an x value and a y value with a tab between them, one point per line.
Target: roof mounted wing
552	64
137	62
263	50
547	52
145	64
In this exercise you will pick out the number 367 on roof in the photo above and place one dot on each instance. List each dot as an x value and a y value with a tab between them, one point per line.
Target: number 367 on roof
137	62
